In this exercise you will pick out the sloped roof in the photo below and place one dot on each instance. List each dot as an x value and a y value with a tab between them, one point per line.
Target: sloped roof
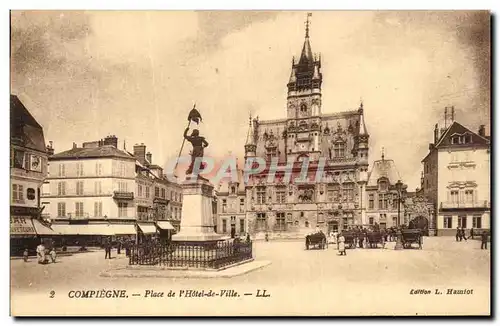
24	128
103	151
457	128
383	168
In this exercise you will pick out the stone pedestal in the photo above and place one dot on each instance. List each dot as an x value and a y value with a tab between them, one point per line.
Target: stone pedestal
197	225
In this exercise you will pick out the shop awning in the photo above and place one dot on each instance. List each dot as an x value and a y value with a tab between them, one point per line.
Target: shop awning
123	229
83	229
147	228
43	229
165	225
21	226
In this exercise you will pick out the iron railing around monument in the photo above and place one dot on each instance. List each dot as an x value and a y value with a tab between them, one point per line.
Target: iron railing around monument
213	255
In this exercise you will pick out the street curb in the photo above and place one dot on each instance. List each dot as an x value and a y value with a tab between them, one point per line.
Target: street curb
170	273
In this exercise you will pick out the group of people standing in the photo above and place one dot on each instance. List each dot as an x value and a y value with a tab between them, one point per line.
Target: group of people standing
460	235
43	255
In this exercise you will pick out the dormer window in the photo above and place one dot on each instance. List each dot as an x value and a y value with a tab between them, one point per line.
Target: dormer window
382	185
462	139
339	149
233	190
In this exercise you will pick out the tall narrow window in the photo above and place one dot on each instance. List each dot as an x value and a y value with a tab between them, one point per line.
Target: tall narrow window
61	188
163	193
122	209
281	195
462	221
348	191
261	222
447	222
97	187
98	209
98	168
79	209
62	171
371	201
454	196
157	192
224	206
79	188
280	221
261	195
79	169
61	209
476	222
224	226
242	226
242	205
469	196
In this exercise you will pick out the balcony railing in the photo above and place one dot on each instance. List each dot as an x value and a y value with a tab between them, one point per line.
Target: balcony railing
123	195
478	204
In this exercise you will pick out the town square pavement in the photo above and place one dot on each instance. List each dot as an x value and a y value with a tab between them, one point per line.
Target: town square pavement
297	282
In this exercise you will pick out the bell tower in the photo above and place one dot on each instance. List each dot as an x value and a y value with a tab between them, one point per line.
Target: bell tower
304	85
304	104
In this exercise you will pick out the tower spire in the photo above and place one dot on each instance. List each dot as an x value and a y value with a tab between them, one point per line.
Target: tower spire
383	156
306	55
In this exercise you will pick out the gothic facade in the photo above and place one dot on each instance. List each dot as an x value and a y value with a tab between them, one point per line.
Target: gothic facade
339	141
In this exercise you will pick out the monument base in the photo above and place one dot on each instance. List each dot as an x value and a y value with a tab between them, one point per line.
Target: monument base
197	223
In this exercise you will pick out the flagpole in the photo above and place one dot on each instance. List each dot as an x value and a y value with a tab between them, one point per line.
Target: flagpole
183	141
182	146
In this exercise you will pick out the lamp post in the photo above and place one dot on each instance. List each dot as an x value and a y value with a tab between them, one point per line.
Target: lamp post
399	244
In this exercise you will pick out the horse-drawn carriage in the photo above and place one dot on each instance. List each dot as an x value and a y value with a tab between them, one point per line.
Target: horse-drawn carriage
411	236
350	238
373	238
317	240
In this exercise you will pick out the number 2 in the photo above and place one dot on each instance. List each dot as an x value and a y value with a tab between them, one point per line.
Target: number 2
52	293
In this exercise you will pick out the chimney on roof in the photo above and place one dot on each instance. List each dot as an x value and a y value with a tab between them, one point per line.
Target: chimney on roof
436	133
111	140
482	131
149	157
50	148
140	153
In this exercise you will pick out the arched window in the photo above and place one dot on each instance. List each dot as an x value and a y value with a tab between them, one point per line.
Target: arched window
303	108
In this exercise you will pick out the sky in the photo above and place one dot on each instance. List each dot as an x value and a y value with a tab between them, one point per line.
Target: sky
136	74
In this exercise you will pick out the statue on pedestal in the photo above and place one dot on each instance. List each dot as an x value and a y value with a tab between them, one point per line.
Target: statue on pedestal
199	143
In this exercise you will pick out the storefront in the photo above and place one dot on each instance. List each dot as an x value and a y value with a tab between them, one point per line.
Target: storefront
146	232
166	230
94	235
27	232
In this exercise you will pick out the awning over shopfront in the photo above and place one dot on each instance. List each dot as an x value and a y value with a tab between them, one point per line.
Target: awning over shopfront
83	229
165	225
43	229
94	229
147	228
21	226
123	229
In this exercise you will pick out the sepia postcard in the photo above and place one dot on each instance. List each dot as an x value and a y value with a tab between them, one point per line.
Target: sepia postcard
250	163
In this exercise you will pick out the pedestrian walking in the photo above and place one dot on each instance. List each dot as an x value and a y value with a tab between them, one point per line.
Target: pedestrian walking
463	234
118	247
458	234
484	240
25	255
52	254
471	234
341	245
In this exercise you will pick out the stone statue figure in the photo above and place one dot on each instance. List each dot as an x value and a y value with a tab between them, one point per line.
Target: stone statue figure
199	143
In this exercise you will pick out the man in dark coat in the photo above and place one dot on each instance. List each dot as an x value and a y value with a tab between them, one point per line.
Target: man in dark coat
471	235
458	234
107	249
484	240
462	231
